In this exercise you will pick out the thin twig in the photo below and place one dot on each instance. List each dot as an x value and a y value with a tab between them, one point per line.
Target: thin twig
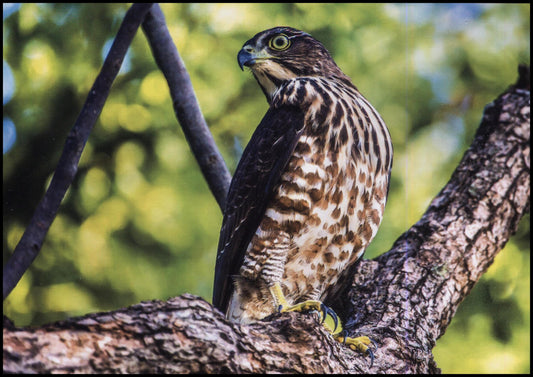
30	244
186	105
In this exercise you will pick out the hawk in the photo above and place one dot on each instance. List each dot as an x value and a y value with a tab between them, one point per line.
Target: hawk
309	191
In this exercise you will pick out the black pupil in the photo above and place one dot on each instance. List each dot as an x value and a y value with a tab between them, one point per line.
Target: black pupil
279	42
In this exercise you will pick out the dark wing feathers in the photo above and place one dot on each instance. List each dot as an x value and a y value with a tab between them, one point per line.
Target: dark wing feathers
253	184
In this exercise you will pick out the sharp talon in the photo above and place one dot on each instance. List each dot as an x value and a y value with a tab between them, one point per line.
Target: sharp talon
369	351
361	344
326	310
279	308
344	332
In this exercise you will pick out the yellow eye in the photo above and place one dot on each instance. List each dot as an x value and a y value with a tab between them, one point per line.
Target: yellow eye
280	42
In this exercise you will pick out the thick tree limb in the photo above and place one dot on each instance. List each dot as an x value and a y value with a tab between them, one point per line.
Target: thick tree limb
435	264
30	244
186	105
403	299
181	335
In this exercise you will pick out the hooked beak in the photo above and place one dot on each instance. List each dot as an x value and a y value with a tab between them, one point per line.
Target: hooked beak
248	56
245	58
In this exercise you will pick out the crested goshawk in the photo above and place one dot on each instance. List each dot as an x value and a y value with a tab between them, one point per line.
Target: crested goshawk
309	192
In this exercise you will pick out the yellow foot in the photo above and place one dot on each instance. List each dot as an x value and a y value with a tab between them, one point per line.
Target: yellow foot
329	317
361	344
329	320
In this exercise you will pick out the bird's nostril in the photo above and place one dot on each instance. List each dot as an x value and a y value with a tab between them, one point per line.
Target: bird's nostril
248	49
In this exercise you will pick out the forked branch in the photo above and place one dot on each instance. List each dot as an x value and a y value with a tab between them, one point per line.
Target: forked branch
403	299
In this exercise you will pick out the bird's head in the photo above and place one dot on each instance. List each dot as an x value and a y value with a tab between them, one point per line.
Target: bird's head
283	53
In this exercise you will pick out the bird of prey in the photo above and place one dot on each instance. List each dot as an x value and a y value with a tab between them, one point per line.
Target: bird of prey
309	191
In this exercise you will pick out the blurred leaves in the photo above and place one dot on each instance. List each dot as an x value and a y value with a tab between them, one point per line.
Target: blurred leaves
140	223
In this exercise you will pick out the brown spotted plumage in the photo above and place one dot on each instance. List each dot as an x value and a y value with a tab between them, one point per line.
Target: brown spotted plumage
309	192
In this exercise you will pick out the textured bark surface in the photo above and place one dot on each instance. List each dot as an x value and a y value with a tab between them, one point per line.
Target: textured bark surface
181	335
404	299
435	264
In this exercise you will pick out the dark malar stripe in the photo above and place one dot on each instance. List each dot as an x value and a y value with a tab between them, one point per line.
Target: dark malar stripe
277	82
291	67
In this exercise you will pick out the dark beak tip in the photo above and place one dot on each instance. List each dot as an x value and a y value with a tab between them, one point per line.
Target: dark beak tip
244	59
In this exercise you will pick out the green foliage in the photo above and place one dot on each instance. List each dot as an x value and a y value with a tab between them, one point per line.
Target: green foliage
139	222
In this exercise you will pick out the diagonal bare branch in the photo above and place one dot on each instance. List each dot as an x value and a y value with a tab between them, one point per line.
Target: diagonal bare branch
186	105
30	244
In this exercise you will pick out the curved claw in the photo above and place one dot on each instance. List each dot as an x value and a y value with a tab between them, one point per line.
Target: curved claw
279	308
361	344
326	310
371	353
344	335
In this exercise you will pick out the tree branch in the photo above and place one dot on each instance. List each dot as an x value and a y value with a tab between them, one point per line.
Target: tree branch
30	244
403	299
186	105
181	335
435	264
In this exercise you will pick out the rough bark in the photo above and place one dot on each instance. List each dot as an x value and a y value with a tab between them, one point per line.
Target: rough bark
181	335
404	299
435	264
